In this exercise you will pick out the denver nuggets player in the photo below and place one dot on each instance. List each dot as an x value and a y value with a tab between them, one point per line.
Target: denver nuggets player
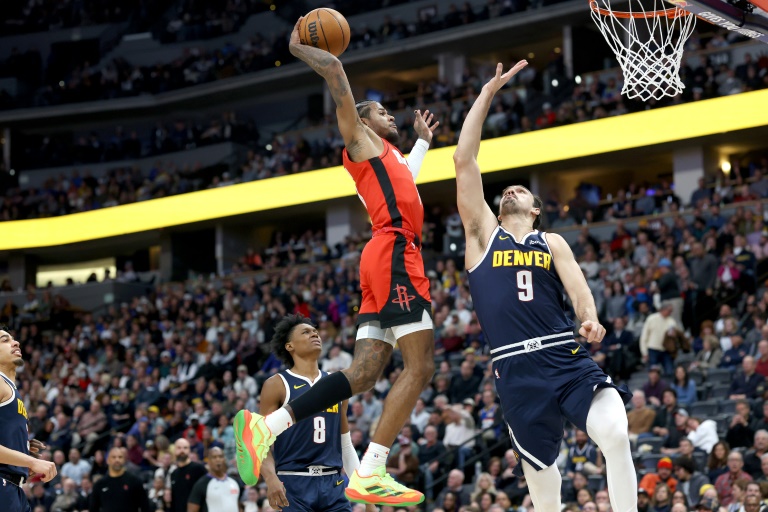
303	472
517	275
15	458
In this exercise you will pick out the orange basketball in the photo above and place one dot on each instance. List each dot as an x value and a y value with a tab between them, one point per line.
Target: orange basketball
326	29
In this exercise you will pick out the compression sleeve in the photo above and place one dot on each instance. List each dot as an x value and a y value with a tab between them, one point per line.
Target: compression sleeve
348	454
416	157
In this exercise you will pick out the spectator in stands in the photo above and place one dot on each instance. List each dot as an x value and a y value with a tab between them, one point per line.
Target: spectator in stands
663	475
761	361
753	503
703	434
664	421
734	356
725	482
617	346
582	456
655	386
431	448
676	441
669	290
738	493
455	485
749	384
640	418
76	468
701	194
91	425
753	457
689	480
656	327
465	385
459	432
710	354
68	499
643	501
741	431
684	386
40	497
662	498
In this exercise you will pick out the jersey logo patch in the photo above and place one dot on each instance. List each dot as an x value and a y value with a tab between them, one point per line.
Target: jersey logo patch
340	482
503	237
575	350
534	242
297	387
402	297
496	371
532	345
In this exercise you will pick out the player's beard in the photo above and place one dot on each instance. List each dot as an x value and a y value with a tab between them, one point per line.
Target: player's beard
392	137
510	207
18	363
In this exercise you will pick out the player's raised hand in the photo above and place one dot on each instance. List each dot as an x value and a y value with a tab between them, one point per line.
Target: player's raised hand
500	80
276	495
593	331
45	468
423	125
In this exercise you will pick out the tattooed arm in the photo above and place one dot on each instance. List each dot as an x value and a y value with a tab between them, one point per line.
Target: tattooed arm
357	137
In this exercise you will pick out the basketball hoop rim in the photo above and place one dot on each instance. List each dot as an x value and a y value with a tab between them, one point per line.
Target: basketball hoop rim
671	13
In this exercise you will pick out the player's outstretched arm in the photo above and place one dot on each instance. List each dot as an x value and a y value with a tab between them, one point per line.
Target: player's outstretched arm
576	286
475	213
353	131
271	399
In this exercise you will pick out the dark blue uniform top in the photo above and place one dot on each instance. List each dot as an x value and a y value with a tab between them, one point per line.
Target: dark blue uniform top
315	441
518	296
13	427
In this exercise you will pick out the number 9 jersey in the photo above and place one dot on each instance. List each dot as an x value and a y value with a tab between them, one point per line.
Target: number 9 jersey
518	295
314	442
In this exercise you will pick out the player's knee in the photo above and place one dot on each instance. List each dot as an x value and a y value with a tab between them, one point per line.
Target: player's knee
612	433
428	371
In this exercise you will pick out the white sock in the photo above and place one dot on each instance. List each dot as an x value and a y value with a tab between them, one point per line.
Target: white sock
375	457
279	421
607	426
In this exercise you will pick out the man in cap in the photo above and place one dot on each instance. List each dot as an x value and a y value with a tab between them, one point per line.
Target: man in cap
663	474
643	501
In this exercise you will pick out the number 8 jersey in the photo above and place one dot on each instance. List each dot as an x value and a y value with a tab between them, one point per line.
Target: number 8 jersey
315	441
518	296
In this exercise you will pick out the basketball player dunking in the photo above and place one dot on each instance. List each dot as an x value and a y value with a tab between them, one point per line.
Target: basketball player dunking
15	459
303	471
517	275
395	307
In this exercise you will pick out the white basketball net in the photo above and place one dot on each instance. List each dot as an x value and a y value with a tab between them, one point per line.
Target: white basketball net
649	47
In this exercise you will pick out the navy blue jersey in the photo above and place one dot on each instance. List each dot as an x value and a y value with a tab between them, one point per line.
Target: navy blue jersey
316	441
518	296
13	427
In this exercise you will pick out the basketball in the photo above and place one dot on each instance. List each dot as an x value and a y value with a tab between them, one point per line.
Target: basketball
326	29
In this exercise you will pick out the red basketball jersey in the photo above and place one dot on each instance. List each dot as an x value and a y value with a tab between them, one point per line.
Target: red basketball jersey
385	186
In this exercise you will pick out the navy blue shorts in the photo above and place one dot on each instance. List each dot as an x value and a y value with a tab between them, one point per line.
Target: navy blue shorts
12	498
541	389
315	493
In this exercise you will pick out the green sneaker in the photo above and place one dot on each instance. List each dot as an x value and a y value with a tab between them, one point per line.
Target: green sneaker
381	489
253	439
